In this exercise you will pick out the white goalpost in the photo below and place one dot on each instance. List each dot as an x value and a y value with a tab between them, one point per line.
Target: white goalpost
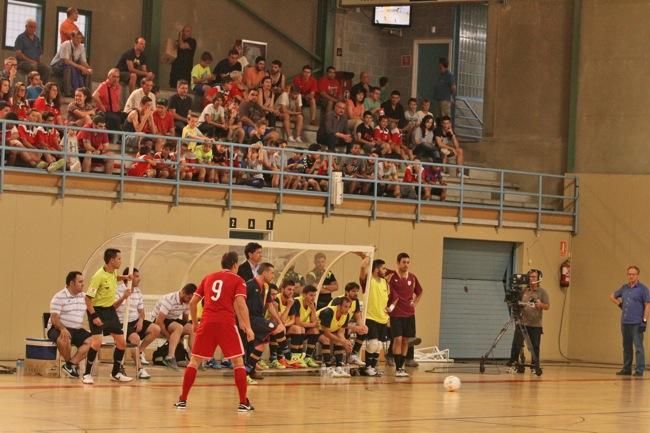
167	262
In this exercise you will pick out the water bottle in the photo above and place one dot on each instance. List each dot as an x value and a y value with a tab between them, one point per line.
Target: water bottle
20	367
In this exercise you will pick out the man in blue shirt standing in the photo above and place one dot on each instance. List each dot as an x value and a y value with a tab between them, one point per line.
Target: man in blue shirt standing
444	89
29	51
633	299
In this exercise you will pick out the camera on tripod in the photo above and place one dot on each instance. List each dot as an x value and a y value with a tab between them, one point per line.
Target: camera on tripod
515	288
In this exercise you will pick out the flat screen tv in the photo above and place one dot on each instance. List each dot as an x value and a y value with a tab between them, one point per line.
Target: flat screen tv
392	16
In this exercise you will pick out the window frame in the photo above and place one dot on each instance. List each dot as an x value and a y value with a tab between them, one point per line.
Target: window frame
87	31
42	5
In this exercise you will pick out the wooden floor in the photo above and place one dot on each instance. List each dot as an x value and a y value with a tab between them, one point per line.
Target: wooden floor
564	399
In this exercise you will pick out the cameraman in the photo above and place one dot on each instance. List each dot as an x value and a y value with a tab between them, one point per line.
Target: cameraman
633	299
536	301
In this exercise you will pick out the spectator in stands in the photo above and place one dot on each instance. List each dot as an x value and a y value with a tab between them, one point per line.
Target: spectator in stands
329	90
308	88
70	63
253	75
164	122
9	69
192	132
5	90
411	117
394	110
425	106
27	138
5	108
266	98
18	102
182	64
107	98
65	326
29	51
372	102
144	164
133	64
68	27
141	120
424	143
212	121
278	81
355	108
383	87
202	74
445	89
50	140
353	168
34	85
364	134
250	113
448	143
50	100
146	89
381	136
81	110
387	171
166	159
180	105
171	314
95	143
364	83
290	107
333	130
228	65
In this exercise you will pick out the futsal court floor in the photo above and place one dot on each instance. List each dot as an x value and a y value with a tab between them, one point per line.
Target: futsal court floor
567	398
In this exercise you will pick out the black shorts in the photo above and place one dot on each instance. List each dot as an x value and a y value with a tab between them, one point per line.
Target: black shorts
131	328
378	331
402	326
262	329
111	323
77	336
170	321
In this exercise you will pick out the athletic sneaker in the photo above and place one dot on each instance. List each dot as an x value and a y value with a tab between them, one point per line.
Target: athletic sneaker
250	380
298	139
142	374
143	360
411	363
339	372
262	365
213	363
245	407
119	377
226	363
87	379
171	363
70	371
56	166
42	164
279	364
291	138
400	372
354	359
370	371
181	404
310	362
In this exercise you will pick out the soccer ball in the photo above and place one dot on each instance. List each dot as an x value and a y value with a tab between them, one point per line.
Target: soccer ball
451	383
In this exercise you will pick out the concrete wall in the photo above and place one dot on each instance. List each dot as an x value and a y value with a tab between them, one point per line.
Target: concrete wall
43	238
369	48
613	235
107	43
614	88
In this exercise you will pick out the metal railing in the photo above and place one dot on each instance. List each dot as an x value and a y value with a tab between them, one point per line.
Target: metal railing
485	189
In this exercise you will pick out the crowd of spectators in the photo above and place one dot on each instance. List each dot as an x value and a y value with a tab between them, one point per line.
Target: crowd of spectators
214	109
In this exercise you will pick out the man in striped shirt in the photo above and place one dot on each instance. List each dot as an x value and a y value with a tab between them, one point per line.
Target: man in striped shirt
171	315
67	311
140	332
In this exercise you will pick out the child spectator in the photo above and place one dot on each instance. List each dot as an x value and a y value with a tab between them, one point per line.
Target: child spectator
18	101
204	156
192	132
364	134
50	140
35	85
165	161
212	121
202	75
290	108
144	166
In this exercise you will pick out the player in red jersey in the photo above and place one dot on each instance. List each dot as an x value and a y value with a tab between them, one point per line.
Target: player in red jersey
224	296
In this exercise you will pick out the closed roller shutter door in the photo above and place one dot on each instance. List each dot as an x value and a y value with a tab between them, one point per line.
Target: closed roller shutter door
472	307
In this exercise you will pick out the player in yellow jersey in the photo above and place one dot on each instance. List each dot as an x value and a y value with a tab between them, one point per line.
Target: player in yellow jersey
333	321
304	327
377	314
102	316
355	323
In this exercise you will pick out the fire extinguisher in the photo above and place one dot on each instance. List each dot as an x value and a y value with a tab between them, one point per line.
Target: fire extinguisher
565	274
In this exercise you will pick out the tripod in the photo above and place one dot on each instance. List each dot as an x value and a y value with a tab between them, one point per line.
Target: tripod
514	321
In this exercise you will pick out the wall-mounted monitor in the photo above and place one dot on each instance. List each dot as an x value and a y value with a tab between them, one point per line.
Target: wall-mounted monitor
392	16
